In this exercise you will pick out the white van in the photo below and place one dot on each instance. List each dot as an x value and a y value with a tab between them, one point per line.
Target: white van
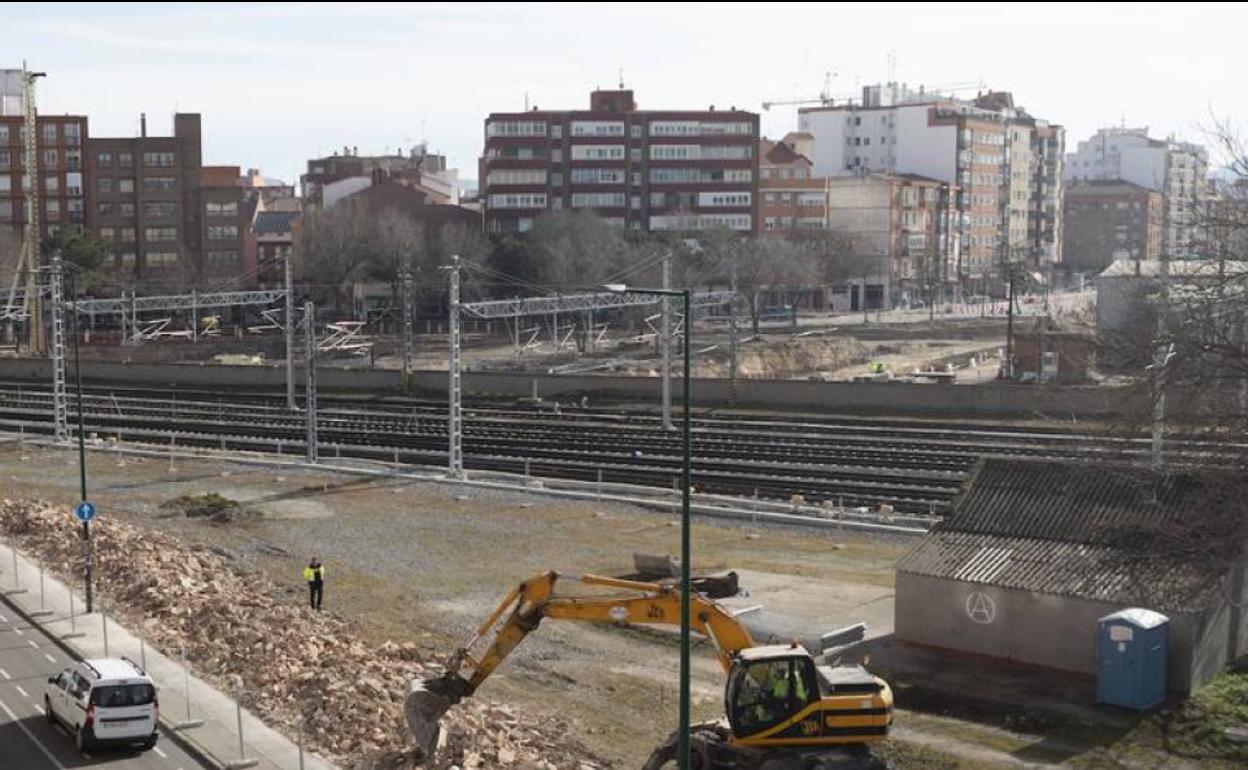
105	701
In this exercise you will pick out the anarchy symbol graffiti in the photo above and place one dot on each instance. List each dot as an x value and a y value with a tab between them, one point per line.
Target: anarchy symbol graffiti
981	608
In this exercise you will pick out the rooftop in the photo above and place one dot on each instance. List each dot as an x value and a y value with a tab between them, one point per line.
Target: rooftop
274	222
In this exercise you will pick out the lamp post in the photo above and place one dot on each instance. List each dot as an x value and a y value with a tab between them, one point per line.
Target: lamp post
682	746
89	556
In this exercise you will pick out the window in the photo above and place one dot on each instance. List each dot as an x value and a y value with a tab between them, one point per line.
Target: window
517	201
597	176
160	258
73	134
73	160
635	131
634	154
516	176
154	234
52	184
635	179
556	202
158	159
6	209
222	232
698	128
769	198
786	198
126	208
5	159
556	155
598	152
51	158
49	133
598	200
127	234
556	180
597	128
724	199
125	185
222	260
674	151
159	209
811	199
53	209
158	183
658	200
221	208
738	175
125	160
108	233
784	173
635	202
556	132
516	128
126	259
764	173
105	185
4	134
104	209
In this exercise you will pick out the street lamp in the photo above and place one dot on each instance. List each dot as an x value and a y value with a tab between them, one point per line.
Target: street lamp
682	746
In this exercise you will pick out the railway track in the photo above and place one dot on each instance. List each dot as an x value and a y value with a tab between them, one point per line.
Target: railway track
916	466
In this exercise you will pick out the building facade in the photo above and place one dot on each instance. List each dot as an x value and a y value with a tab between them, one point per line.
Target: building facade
984	147
793	198
146	200
643	169
224	227
1110	220
1177	170
898	227
337	176
59	172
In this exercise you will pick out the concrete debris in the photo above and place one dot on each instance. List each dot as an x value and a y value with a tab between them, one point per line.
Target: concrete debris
290	660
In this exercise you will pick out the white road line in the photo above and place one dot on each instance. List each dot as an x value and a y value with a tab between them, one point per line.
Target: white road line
31	736
32	643
40	710
5	674
3	619
50	658
160	753
18	631
18	687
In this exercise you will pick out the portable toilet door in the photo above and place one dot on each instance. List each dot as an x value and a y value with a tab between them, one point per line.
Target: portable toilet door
1131	658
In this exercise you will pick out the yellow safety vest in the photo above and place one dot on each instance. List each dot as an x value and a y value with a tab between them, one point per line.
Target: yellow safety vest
310	574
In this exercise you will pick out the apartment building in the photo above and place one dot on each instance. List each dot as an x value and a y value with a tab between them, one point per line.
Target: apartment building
145	194
793	198
224	224
984	148
645	169
1107	221
1177	170
898	227
338	176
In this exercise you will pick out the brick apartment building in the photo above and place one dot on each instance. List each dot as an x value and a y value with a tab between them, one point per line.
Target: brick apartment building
793	197
1111	220
898	226
146	196
224	226
647	170
60	175
338	176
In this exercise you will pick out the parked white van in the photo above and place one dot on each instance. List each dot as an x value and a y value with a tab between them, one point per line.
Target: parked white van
105	701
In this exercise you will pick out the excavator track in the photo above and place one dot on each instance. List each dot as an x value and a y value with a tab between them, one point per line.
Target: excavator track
711	749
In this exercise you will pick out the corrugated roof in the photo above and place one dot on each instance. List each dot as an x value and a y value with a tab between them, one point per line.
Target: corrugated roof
274	222
1064	528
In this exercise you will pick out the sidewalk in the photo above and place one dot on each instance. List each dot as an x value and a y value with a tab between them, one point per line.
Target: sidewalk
216	740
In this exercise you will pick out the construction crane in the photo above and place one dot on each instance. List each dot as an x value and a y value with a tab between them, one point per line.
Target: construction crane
824	99
827	99
28	259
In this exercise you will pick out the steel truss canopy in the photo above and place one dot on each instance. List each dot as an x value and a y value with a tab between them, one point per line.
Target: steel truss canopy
177	301
579	303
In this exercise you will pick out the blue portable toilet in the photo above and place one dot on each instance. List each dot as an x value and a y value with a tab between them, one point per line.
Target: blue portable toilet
1131	658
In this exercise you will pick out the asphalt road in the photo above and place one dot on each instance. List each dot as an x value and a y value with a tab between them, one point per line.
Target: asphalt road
27	741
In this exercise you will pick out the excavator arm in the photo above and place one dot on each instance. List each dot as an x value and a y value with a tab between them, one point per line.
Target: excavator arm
526	605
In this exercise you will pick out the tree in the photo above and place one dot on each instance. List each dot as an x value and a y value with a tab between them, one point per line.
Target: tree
574	250
336	248
88	255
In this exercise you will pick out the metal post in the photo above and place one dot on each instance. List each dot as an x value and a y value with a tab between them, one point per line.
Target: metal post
733	363
60	407
238	710
455	454
88	550
73	620
142	654
194	315
407	319
309	396
685	547
186	683
299	727
104	623
289	331
517	326
1009	331
665	342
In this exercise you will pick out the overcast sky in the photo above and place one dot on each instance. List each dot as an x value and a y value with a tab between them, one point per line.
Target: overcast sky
280	83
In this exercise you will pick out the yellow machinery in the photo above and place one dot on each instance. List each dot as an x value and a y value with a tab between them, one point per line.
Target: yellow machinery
781	707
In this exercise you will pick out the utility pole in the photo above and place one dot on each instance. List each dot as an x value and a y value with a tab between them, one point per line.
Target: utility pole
88	552
665	334
1009	328
309	395
455	454
732	329
60	405
407	319
289	280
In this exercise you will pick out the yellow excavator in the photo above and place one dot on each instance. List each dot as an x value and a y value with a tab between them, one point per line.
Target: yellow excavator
782	709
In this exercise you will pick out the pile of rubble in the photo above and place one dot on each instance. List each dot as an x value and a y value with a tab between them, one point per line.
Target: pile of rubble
289	660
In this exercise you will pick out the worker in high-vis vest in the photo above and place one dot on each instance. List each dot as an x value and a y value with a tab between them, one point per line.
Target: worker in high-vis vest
314	573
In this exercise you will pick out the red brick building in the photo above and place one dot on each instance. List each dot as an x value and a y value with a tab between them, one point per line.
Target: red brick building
224	227
60	172
793	198
644	169
1106	221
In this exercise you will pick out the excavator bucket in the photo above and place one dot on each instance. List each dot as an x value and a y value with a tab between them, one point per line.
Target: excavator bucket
426	703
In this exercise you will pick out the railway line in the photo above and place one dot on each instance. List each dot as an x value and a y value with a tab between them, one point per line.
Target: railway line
916	466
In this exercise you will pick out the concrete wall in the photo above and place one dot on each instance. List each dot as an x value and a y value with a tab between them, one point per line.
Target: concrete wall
1053	631
989	399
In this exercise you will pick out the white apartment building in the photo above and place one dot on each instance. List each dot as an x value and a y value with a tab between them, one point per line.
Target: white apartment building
1177	170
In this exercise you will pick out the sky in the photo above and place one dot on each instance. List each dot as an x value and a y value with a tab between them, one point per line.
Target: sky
279	83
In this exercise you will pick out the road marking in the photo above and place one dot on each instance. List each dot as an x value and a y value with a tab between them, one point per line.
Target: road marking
23	692
3	619
50	658
5	674
21	726
18	631
32	643
40	710
160	753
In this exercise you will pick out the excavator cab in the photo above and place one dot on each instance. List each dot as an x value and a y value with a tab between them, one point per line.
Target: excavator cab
767	688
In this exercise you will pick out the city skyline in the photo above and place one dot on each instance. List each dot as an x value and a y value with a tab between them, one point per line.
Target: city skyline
274	92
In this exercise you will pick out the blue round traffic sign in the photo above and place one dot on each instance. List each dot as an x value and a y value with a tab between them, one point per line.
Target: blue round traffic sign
85	511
